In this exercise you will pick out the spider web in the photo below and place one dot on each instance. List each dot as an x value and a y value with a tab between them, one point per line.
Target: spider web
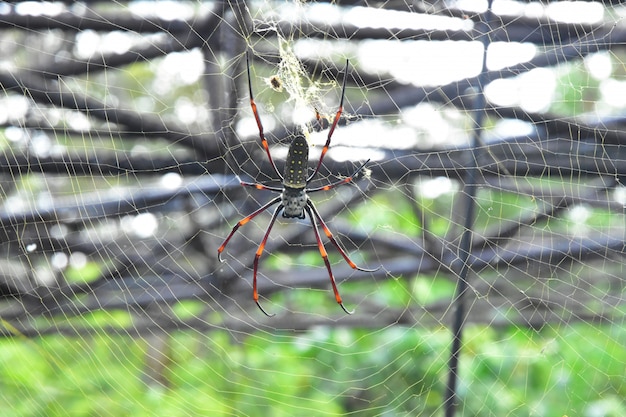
493	198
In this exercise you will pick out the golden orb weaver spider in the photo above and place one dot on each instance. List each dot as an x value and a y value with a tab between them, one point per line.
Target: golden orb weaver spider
293	200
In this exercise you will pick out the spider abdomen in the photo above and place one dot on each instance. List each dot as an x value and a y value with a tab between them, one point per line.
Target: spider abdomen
294	200
296	163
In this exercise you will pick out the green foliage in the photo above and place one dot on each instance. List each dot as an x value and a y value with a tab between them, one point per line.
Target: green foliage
576	91
88	272
54	376
553	372
387	211
575	371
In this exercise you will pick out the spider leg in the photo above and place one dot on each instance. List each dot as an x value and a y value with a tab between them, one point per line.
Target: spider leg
320	245
333	126
318	116
259	251
258	121
242	222
338	183
330	237
262	186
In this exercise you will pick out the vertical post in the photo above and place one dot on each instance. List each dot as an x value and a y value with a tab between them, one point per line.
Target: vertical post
468	196
223	52
224	56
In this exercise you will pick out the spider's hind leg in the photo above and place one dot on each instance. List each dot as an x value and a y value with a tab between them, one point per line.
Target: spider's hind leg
241	223
259	251
322	250
332	239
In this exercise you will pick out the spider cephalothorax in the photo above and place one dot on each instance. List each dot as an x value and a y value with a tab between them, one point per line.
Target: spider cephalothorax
294	201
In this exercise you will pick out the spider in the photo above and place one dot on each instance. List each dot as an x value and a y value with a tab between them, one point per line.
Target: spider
293	200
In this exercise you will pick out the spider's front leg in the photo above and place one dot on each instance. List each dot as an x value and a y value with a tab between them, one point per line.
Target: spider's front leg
259	124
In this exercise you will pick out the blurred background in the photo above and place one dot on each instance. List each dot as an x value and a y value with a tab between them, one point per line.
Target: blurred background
493	202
